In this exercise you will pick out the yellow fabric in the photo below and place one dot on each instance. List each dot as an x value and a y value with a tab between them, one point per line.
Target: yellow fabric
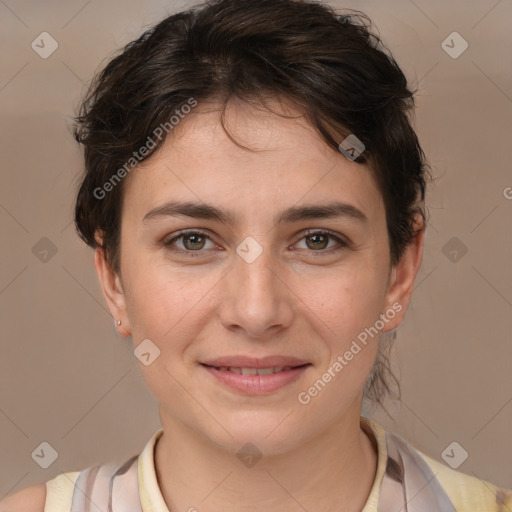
380	437
59	492
150	495
467	493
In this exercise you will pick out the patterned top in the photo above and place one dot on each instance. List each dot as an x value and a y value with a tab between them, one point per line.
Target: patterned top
406	480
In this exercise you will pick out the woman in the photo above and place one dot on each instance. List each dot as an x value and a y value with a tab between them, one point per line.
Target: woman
254	193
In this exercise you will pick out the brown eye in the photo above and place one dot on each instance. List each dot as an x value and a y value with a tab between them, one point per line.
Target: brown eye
318	241
192	241
196	241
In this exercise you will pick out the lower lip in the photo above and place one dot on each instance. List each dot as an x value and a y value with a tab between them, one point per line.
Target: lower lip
257	384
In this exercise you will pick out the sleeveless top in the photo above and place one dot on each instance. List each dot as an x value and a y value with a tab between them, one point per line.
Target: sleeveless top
405	480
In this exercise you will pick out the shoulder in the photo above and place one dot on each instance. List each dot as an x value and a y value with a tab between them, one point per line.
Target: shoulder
58	494
55	495
435	479
30	499
468	492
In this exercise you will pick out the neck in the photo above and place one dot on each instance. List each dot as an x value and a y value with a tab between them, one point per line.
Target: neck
335	468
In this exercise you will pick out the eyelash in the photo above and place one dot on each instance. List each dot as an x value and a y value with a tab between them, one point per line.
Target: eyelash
182	234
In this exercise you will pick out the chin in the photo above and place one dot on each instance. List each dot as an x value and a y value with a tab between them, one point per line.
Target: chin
265	430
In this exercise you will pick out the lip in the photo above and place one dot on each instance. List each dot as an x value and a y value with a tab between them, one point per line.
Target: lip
254	362
256	384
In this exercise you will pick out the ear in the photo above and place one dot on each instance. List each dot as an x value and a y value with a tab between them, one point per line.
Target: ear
112	289
402	276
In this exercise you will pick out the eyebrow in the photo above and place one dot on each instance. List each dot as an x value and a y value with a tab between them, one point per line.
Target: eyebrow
293	214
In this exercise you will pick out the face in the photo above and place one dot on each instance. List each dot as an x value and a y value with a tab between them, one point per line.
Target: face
268	270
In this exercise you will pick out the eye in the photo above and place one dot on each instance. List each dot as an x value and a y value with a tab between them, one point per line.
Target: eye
317	241
196	241
192	241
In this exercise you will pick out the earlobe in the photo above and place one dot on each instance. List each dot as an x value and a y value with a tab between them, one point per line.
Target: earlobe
403	274
113	291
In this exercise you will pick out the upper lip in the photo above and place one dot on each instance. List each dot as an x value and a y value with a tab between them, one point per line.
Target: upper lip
252	362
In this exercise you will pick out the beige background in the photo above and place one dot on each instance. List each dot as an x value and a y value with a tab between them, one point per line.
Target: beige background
66	378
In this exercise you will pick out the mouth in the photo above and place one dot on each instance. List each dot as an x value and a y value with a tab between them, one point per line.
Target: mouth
254	371
256	379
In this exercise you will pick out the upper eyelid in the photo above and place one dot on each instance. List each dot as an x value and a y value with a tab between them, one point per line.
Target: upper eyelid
184	232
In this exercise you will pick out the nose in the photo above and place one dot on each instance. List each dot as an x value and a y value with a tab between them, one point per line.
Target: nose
256	298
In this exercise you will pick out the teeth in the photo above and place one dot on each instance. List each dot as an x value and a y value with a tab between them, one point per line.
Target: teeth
254	371
266	371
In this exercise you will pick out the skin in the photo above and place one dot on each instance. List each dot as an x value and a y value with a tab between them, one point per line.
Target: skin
293	300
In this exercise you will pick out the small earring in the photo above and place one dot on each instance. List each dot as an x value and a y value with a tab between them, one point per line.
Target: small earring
118	322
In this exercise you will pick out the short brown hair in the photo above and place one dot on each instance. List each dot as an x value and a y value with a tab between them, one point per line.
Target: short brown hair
329	66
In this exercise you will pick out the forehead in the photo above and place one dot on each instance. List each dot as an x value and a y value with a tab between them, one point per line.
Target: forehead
283	161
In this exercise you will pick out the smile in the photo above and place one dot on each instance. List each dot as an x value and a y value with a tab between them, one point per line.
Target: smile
253	371
256	381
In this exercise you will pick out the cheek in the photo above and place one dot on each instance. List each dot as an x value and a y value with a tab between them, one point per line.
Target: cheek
167	304
344	311
165	307
346	300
